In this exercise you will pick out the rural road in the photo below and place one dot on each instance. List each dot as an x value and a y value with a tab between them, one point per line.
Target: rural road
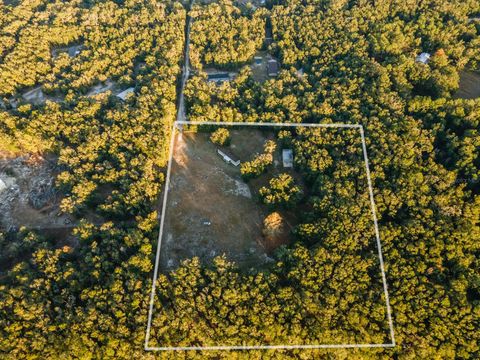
181	114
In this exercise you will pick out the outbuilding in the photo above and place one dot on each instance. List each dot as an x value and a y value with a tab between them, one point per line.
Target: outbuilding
218	77
125	93
228	158
273	68
423	58
287	158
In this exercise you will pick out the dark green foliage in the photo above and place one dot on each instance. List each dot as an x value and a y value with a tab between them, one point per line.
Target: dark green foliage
259	164
281	192
91	300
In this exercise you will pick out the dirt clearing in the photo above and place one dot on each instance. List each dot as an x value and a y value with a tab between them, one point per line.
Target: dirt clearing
28	197
210	209
469	85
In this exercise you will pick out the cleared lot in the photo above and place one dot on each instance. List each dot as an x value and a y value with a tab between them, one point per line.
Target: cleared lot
469	85
210	210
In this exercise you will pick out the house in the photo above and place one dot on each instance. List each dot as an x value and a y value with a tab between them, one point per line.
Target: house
423	58
273	67
125	93
218	77
228	158
287	158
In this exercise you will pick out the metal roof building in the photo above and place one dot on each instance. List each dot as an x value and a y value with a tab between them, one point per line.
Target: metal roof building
125	93
287	158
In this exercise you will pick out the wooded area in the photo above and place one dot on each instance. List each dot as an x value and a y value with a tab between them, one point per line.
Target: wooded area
359	66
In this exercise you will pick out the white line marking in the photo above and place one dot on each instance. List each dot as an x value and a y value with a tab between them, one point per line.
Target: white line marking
377	236
354	126
159	243
265	347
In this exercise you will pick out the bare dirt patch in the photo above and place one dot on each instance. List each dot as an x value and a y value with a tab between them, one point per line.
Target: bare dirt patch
29	198
102	87
469	85
36	96
210	210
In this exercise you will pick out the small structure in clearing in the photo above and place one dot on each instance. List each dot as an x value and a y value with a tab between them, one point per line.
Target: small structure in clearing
273	68
125	93
287	158
218	77
228	158
423	58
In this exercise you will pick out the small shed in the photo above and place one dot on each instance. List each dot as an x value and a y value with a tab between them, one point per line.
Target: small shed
287	158
273	68
423	58
218	77
125	93
228	158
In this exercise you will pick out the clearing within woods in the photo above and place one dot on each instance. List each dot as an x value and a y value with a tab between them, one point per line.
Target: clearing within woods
210	210
28	197
469	85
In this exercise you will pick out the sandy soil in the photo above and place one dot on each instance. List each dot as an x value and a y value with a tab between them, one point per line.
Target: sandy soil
30	198
210	209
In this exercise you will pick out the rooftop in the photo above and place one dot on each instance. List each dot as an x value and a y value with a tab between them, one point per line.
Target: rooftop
125	93
287	158
218	77
423	58
273	67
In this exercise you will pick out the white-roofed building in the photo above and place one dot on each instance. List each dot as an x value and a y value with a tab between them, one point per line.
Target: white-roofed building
125	93
287	158
423	58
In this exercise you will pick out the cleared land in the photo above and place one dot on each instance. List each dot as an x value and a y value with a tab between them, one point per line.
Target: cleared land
469	85
210	210
29	197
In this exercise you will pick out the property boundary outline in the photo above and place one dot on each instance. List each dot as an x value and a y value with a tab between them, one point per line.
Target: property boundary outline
179	124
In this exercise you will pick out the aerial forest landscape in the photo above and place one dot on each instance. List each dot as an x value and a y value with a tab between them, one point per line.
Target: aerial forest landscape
240	179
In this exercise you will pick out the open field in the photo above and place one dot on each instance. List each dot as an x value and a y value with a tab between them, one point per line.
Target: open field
210	209
469	85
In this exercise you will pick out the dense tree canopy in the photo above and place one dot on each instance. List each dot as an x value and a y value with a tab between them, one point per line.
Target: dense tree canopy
359	67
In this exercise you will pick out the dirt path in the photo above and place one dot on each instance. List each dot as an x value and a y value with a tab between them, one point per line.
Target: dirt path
181	114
